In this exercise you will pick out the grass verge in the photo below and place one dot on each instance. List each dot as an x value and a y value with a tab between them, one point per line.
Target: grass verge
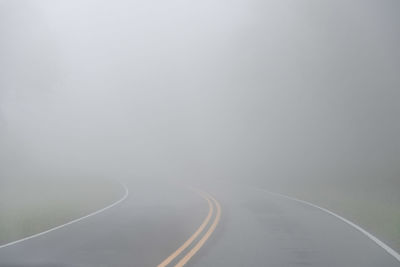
30	206
374	207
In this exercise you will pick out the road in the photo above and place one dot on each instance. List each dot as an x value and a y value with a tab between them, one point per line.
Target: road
165	224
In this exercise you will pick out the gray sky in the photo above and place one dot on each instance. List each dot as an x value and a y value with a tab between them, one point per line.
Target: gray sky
233	89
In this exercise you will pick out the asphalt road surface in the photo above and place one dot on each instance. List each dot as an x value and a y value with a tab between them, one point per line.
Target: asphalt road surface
162	224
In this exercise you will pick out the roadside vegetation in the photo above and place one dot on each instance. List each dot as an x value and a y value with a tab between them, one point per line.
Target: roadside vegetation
373	204
29	206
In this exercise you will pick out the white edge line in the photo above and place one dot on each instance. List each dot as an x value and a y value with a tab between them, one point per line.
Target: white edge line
359	228
71	222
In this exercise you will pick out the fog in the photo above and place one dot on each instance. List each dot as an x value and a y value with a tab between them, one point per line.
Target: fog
252	91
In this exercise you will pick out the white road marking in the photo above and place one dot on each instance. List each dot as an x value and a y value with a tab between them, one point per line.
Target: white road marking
126	194
359	228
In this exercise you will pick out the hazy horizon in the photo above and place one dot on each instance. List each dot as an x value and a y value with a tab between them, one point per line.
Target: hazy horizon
244	90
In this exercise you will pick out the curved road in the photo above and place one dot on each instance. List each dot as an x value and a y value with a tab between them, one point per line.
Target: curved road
163	224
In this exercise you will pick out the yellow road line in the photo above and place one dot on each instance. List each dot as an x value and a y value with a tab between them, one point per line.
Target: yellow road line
193	237
196	248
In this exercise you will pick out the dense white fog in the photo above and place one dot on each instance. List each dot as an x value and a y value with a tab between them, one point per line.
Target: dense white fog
254	91
110	110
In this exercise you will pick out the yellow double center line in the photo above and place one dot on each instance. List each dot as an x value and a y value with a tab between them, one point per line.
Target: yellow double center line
211	203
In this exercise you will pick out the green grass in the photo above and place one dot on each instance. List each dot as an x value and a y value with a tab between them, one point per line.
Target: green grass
30	206
375	208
